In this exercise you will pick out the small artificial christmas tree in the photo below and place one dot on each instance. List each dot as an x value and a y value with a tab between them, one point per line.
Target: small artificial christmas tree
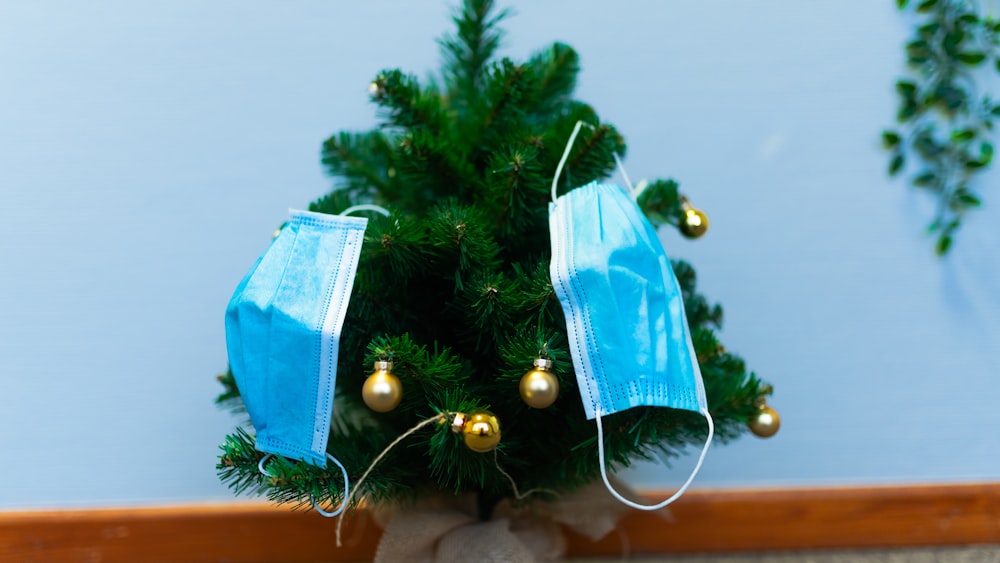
453	291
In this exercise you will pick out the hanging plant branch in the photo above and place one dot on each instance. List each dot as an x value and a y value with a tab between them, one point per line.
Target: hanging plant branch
945	120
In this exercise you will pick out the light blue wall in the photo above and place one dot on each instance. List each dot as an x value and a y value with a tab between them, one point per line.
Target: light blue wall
148	150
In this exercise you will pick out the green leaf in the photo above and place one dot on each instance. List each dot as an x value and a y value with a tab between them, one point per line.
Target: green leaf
971	58
925	179
986	153
918	51
975	164
896	164
926	5
996	110
906	111
902	3
906	89
929	29
965	199
963	135
968	17
890	139
943	245
952	40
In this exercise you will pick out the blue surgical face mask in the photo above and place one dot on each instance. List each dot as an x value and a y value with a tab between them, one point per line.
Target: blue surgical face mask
283	328
628	335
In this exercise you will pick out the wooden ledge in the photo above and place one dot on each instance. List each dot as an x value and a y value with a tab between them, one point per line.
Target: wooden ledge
700	522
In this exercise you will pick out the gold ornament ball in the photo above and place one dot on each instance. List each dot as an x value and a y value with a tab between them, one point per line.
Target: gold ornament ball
766	422
377	88
481	431
382	390
695	223
539	387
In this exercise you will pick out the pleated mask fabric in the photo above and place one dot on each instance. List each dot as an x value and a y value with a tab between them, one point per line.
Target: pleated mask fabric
624	311
625	322
283	328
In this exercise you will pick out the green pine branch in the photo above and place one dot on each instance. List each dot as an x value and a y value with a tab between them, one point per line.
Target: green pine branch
467	53
363	162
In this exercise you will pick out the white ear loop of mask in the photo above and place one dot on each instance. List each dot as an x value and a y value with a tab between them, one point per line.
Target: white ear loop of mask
675	496
565	156
600	427
347	485
365	207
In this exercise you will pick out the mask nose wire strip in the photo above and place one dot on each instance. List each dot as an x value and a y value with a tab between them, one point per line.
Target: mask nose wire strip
365	207
675	496
347	486
565	156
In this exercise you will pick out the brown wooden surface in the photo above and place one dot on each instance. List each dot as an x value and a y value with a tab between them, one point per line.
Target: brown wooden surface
796	519
701	521
236	533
